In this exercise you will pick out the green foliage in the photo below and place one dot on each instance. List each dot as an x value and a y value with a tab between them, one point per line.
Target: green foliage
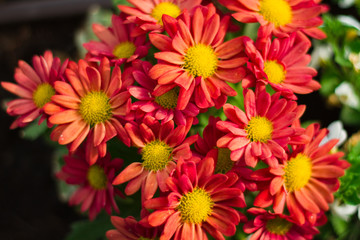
90	230
350	184
34	130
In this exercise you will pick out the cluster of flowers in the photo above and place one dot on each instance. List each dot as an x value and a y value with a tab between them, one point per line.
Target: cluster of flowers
191	186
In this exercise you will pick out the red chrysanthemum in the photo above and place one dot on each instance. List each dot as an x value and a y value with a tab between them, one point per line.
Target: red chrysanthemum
160	146
267	225
129	229
195	58
305	181
282	64
206	146
90	105
280	17
163	107
198	202
35	88
263	130
116	43
147	14
95	191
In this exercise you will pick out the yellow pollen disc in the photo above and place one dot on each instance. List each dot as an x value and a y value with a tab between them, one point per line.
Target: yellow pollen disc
97	177
169	99
167	8
43	94
277	12
274	71
224	163
259	129
195	206
156	155
278	226
95	108
200	60
124	50
297	172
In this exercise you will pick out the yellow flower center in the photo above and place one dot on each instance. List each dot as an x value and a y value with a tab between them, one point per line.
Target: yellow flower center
274	71
200	60
195	206
259	129
278	226
144	238
169	99
224	163
43	94
156	155
95	108
167	8
277	12
297	172
97	177
124	50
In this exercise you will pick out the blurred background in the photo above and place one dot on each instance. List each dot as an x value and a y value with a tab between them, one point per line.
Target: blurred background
30	206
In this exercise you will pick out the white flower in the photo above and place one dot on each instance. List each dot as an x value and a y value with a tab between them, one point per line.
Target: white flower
344	211
321	53
355	60
336	131
346	3
347	95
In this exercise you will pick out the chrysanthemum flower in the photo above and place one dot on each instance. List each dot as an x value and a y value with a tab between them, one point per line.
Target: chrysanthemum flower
263	130
116	43
280	17
147	14
95	191
282	64
35	88
129	229
206	147
89	105
195	58
198	202
160	146
267	225
306	180
162	107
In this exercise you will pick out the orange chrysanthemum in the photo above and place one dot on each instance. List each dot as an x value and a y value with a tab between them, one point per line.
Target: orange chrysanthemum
306	180
280	17
195	58
90	105
147	14
35	88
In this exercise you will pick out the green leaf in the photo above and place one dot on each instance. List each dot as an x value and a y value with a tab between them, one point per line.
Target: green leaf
34	130
350	116
340	226
90	230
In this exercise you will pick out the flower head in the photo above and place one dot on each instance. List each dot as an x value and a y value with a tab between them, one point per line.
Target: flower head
147	14
35	88
267	225
116	43
280	17
90	105
198	202
163	107
195	58
263	130
305	181
160	146
281	63
206	146
129	229
95	190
